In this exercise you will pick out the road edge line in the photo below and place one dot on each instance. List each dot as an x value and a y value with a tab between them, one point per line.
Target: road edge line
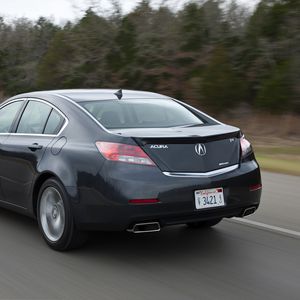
266	227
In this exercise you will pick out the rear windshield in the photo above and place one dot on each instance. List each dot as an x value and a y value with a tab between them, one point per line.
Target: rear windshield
115	114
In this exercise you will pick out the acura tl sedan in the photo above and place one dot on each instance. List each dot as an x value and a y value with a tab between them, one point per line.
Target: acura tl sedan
82	160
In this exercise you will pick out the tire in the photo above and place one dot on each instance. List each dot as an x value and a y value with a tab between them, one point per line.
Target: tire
55	218
204	224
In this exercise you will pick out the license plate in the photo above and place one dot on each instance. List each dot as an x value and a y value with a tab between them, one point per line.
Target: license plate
209	198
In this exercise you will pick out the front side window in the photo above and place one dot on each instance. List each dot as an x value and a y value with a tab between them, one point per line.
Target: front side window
148	113
34	118
8	114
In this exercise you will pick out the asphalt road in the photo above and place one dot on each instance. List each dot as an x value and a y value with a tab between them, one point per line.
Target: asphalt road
280	205
230	261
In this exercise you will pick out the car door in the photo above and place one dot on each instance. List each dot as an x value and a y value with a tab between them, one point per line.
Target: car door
8	114
23	150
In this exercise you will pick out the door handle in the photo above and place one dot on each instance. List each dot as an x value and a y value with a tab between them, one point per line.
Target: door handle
35	147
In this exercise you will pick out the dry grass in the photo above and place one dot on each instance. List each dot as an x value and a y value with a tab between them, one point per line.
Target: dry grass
274	164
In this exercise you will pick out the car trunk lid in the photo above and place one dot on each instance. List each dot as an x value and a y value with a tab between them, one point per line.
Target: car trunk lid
188	149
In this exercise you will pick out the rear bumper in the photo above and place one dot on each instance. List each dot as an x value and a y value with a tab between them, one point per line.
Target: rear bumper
104	204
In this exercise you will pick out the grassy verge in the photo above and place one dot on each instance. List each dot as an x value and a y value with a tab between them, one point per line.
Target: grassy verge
282	160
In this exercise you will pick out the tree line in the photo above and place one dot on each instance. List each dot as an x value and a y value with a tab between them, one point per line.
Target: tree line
214	55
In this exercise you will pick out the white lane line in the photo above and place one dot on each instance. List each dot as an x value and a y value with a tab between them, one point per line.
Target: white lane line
280	230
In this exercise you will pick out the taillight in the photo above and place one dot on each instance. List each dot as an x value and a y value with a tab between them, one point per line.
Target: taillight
124	153
246	147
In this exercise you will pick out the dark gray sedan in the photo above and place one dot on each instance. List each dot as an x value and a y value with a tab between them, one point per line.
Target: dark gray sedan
81	160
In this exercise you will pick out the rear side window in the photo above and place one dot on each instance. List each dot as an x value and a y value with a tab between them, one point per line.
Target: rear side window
34	118
54	123
148	113
8	114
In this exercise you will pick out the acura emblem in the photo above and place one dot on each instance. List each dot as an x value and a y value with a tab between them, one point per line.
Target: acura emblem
200	149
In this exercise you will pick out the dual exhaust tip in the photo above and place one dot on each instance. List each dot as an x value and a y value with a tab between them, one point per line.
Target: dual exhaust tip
145	227
249	211
155	226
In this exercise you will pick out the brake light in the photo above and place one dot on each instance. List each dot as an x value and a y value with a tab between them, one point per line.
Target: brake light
246	147
124	153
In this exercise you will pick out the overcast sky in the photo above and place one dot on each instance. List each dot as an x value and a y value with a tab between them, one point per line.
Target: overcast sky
62	10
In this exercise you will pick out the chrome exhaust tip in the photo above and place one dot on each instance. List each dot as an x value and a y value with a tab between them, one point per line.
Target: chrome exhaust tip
249	211
145	227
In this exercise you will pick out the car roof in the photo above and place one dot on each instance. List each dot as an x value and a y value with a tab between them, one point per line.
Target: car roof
81	95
